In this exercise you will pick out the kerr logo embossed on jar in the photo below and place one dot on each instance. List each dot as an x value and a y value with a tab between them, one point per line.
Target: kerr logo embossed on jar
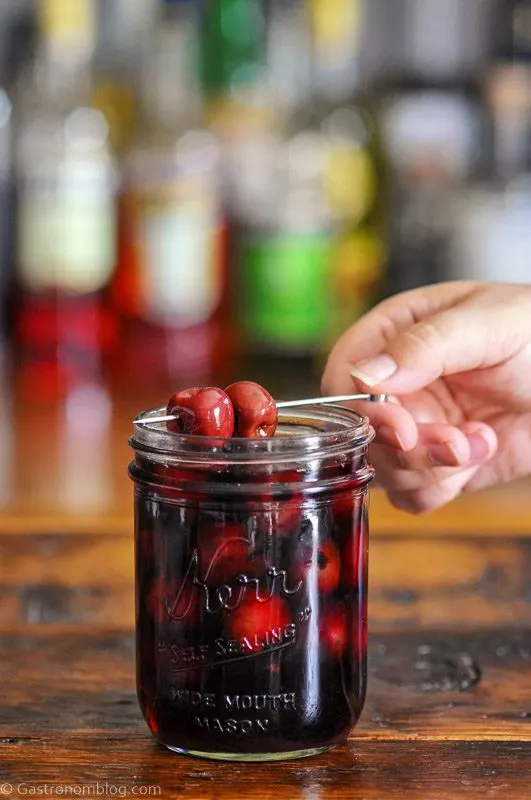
196	586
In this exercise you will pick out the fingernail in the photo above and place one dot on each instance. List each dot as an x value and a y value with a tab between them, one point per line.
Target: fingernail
479	447
444	455
373	371
390	436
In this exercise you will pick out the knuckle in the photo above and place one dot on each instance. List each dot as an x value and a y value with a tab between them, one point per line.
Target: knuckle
426	339
429	481
404	460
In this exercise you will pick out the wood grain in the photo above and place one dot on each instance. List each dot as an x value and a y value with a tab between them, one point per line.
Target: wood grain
414	582
449	582
363	770
458	686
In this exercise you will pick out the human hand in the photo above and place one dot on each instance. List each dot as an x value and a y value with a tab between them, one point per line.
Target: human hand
457	358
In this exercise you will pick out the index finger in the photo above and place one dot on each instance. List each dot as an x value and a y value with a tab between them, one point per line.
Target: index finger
370	335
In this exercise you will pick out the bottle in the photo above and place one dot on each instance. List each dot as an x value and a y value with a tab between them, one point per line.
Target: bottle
240	111
233	54
238	105
507	92
17	45
66	208
170	280
337	28
354	181
284	227
428	41
431	119
491	239
123	34
285	245
431	137
512	32
289	56
308	251
355	171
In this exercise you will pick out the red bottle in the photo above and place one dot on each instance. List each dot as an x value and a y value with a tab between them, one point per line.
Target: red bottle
170	281
66	180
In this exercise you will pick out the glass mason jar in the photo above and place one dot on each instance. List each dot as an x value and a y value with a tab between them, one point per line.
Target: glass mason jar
251	585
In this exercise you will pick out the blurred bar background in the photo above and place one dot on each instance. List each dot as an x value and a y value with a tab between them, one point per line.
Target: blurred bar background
191	190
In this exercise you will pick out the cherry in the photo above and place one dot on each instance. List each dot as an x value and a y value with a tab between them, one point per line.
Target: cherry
225	553
255	410
204	411
327	562
333	630
255	618
287	516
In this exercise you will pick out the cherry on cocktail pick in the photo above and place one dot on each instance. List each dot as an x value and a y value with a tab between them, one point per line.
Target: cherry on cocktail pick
202	411
311	401
255	411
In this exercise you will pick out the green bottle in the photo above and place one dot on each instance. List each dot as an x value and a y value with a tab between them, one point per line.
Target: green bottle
233	34
285	242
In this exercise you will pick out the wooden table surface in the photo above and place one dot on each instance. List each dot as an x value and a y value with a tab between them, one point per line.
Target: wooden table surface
448	713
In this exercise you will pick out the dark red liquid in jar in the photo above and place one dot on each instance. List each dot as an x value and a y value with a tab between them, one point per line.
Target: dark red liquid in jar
251	605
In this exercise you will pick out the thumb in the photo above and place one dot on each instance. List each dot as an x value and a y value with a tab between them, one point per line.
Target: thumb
452	341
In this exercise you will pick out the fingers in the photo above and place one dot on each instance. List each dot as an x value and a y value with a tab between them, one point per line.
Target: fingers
440	451
417	481
482	440
436	443
426	351
376	330
402	348
393	424
409	341
420	501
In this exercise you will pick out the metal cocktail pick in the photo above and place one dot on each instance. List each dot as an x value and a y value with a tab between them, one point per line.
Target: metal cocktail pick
309	401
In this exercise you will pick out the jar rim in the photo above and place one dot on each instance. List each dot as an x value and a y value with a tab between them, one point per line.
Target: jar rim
324	429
